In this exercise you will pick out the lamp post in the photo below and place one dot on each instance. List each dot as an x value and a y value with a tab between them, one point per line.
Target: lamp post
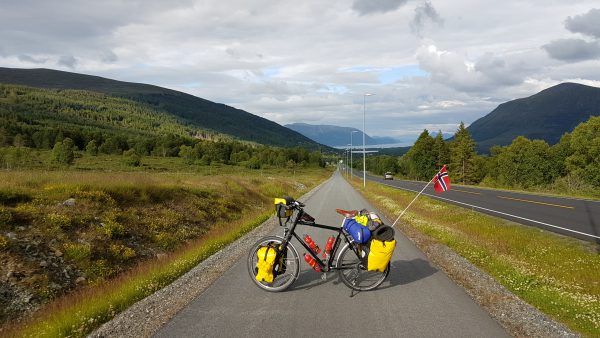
364	149
348	155
351	147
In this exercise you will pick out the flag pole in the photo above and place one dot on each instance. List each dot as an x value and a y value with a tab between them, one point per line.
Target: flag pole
414	199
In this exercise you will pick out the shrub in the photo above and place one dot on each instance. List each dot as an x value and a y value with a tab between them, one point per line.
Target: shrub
132	158
3	242
92	148
112	229
77	252
62	153
166	240
5	216
121	252
99	269
58	220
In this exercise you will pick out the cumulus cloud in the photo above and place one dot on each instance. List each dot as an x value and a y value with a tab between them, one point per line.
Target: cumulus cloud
364	7
67	61
587	24
573	49
309	62
454	70
424	13
30	59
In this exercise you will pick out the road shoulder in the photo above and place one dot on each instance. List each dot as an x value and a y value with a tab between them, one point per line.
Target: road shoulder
147	316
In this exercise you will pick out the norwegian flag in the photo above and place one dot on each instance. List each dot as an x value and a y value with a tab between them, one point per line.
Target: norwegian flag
441	180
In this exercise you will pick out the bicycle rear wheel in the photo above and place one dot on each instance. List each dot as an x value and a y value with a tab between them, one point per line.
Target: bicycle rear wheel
291	264
353	272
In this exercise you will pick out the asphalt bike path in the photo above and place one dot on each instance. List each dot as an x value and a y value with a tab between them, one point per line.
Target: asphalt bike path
579	218
417	300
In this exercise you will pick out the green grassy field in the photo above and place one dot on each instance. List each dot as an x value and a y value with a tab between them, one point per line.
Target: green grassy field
121	232
558	275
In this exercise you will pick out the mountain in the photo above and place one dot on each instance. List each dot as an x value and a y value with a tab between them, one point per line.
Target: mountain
335	136
198	112
546	115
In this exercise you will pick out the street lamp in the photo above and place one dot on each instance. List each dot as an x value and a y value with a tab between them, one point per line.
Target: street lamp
348	154
364	150
351	147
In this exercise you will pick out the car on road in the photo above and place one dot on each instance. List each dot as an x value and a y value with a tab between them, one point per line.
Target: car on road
388	176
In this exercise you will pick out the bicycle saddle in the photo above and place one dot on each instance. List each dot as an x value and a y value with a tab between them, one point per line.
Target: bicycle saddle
347	213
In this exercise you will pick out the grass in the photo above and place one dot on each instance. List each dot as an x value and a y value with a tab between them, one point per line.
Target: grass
558	275
120	223
79	314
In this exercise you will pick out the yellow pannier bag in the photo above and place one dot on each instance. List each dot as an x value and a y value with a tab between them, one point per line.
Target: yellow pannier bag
380	254
266	261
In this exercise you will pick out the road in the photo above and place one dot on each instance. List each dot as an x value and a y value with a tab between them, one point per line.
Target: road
417	300
568	216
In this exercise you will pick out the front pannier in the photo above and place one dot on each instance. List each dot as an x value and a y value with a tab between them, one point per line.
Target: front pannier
265	265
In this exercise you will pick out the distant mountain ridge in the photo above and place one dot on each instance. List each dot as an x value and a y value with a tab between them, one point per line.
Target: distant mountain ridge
336	136
200	112
546	115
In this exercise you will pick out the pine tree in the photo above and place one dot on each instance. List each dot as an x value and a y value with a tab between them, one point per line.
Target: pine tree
441	151
462	151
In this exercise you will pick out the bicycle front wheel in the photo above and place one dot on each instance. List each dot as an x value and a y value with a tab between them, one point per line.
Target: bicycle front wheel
353	272
291	265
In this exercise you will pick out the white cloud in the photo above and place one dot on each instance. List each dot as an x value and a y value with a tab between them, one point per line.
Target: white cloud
587	24
310	61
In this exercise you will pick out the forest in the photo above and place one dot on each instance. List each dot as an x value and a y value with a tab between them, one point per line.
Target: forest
571	165
76	122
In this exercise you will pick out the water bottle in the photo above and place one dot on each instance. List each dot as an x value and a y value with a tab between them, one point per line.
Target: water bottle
328	246
312	262
312	244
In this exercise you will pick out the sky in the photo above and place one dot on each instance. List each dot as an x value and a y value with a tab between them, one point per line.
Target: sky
431	64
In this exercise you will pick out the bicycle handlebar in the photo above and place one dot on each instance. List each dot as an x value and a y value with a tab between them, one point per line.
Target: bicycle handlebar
299	204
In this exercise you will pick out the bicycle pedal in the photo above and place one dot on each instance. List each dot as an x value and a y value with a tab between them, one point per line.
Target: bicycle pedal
324	276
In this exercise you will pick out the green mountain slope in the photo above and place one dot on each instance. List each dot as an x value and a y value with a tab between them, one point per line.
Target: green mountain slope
336	136
38	115
546	115
198	112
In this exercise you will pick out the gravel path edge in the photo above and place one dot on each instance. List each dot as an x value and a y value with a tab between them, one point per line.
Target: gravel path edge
516	316
148	315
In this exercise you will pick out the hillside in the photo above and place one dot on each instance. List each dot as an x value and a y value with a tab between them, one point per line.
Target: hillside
336	136
546	115
196	111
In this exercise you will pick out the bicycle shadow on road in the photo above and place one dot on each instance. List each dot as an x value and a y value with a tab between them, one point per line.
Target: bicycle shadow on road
309	279
402	272
408	271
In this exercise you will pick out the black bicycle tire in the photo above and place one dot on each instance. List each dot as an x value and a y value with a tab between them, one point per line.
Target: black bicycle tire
347	282
291	250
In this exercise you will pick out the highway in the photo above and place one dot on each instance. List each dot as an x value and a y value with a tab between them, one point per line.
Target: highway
578	218
417	300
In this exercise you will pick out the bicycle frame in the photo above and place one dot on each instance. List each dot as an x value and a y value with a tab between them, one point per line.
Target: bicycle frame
325	266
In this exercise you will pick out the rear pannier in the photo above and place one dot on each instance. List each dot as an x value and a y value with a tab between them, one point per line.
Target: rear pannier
381	249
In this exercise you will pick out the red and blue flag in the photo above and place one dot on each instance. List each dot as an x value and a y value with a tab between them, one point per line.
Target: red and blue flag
441	180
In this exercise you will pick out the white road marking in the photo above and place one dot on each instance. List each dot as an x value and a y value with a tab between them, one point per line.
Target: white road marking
498	212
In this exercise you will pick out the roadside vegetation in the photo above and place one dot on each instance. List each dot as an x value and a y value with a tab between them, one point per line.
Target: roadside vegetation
81	242
557	274
570	167
105	199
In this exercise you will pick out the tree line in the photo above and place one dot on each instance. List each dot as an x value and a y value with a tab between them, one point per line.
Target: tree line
72	121
572	163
